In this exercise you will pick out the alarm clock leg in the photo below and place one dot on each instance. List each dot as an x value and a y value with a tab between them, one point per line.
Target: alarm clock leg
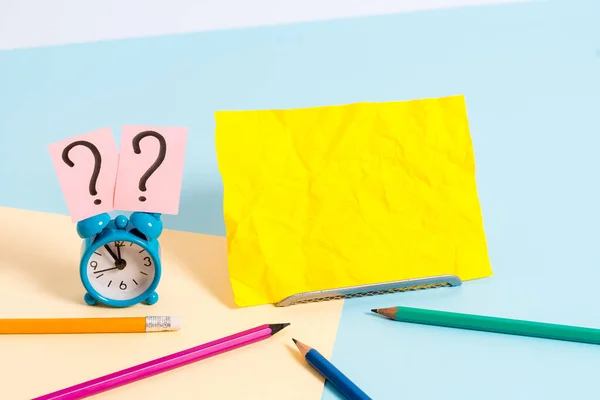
90	301
152	299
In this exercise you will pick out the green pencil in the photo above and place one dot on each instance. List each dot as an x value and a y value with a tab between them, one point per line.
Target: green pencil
491	324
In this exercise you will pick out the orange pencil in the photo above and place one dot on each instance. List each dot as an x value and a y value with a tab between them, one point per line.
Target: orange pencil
89	325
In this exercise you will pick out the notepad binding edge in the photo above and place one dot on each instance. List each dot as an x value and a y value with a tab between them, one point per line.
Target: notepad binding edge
432	282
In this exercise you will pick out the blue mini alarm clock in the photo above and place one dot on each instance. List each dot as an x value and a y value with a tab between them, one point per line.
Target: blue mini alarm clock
120	258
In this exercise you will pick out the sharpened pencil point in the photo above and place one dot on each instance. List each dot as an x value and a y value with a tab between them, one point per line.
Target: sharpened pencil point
388	312
301	347
294	340
277	327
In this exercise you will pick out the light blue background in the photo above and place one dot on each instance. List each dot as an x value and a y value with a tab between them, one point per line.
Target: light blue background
531	76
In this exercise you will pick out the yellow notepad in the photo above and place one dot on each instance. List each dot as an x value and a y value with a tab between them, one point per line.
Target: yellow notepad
328	197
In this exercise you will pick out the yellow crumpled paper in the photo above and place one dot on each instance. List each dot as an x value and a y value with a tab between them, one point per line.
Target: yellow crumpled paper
328	197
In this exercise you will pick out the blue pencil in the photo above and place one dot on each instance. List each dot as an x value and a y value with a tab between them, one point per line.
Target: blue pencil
341	382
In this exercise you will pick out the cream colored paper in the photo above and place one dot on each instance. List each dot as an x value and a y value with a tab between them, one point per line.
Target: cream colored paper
329	197
39	278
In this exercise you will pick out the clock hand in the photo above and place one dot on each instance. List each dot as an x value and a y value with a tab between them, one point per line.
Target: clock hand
112	253
118	250
104	270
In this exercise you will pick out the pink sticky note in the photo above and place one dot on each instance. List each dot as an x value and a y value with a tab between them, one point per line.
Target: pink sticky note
86	166
150	169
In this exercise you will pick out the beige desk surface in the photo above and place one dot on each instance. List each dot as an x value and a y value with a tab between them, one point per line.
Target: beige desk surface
39	278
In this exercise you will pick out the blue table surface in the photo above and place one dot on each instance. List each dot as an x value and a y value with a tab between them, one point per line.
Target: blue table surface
531	76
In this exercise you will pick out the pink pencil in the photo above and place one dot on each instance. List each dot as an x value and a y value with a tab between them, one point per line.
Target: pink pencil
163	364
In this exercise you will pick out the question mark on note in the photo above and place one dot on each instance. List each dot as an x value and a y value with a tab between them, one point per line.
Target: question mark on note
162	152
97	164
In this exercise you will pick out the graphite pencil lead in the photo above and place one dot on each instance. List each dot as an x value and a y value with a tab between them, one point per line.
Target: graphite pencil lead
277	327
374	310
294	340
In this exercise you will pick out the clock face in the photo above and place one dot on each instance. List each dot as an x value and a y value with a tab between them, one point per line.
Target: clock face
120	270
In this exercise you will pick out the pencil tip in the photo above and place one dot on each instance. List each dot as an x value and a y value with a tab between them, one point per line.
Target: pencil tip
304	349
294	340
277	327
374	310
